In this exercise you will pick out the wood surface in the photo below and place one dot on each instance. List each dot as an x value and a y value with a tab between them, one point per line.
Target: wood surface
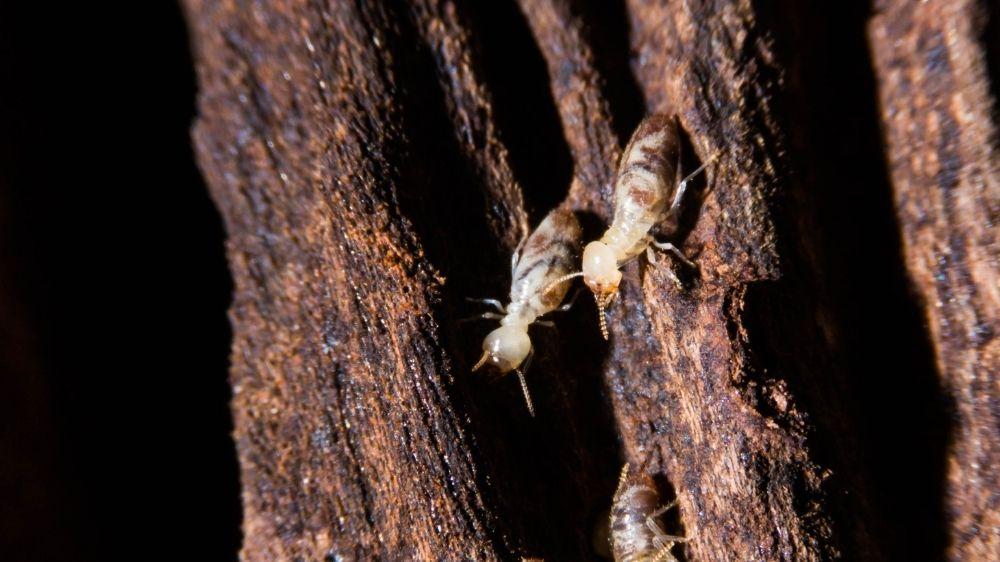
377	162
939	117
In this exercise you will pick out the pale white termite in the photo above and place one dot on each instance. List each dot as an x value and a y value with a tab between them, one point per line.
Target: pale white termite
544	257
645	181
635	534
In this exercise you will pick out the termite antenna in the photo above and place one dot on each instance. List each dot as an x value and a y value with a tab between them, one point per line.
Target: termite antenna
621	480
601	303
562	279
524	389
482	361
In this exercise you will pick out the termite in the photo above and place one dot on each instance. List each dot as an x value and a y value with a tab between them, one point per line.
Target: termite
647	173
635	534
536	265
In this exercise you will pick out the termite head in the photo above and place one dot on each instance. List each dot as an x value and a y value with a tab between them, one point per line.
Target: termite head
505	348
602	276
600	269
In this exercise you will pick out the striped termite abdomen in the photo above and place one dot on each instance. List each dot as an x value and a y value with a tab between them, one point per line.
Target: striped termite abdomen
643	186
635	534
647	175
646	192
547	255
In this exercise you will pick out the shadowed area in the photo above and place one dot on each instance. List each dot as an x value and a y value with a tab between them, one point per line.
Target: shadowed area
845	203
119	277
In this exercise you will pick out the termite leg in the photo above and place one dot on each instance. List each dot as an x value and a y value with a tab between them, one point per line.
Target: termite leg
490	302
663	541
651	258
563	308
671	538
483	316
682	185
666	542
662	509
654	527
667	246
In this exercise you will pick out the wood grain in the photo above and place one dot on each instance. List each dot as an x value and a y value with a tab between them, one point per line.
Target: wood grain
376	163
938	116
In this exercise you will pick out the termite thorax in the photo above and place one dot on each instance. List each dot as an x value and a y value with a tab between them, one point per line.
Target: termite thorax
517	316
615	239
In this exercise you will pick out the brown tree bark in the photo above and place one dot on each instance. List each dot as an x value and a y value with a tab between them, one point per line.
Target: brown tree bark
377	162
938	114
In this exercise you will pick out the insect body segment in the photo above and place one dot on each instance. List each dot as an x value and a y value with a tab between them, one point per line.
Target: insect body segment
635	534
645	181
644	196
545	257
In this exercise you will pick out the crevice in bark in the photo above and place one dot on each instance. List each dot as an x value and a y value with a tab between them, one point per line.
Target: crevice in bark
440	192
607	32
526	116
844	200
671	522
525	460
443	198
768	382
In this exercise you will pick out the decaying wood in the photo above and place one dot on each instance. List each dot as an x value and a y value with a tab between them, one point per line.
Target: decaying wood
374	165
942	144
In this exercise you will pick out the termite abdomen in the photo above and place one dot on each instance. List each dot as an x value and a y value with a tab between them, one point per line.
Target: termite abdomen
538	268
647	191
636	535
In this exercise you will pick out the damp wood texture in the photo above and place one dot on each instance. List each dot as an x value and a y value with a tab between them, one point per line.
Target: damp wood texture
823	387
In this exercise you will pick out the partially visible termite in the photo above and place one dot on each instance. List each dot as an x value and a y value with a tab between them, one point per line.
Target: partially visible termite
635	534
543	258
646	177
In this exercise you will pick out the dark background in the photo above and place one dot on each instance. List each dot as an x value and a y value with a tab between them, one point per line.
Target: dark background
114	422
